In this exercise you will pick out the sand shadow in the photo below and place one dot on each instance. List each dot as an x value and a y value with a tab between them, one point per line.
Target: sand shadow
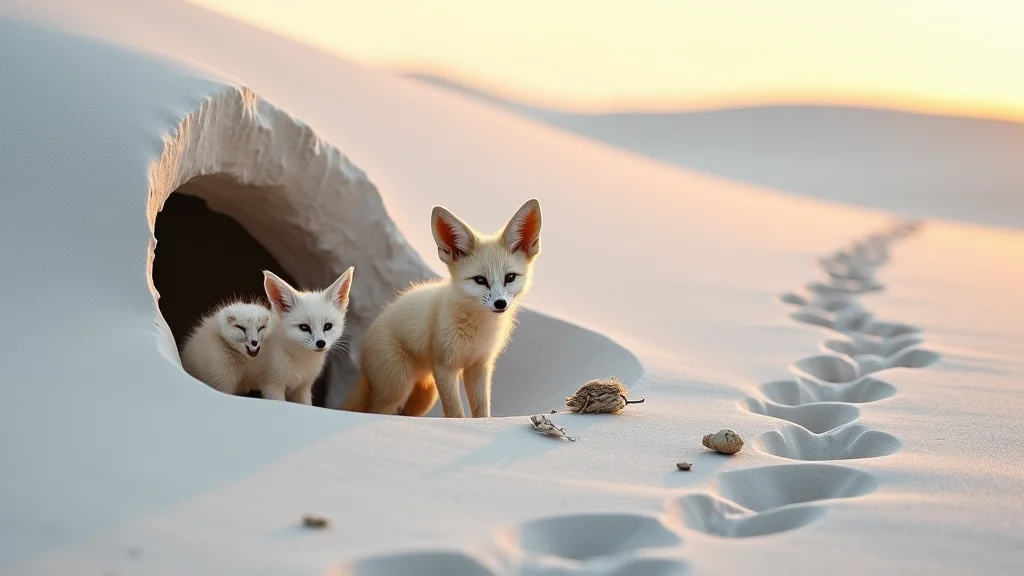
522	444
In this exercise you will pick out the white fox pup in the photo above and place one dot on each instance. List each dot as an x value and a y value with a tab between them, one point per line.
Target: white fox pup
434	332
307	325
224	343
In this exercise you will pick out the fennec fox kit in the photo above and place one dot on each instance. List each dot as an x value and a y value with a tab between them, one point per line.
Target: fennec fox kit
224	344
436	331
307	325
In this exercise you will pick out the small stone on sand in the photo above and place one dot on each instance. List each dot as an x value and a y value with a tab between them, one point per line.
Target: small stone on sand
724	442
683	465
311	521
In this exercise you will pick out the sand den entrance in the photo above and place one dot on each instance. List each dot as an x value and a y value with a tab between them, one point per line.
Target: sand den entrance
241	186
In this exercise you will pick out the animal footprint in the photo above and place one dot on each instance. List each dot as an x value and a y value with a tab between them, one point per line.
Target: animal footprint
719	517
913	358
827	368
888	330
846	443
803	391
650	567
818	417
843	266
583	537
423	562
854	346
771	499
851	319
910	358
794	298
853	287
827	309
628	567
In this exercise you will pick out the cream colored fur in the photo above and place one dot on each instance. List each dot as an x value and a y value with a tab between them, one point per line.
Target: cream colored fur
307	325
423	341
225	343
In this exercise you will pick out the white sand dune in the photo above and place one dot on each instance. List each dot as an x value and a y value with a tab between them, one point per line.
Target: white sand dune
921	165
878	390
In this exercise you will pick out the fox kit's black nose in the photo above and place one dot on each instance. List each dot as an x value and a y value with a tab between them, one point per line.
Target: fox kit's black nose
320	343
253	342
500	304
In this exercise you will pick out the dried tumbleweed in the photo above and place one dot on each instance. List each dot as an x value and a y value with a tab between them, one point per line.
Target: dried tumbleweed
724	441
601	396
542	424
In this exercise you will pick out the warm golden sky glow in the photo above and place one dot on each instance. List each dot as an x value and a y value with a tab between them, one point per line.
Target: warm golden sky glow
962	56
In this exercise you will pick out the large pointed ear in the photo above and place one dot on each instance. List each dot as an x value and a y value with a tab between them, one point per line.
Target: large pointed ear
453	237
522	233
337	293
282	296
227	316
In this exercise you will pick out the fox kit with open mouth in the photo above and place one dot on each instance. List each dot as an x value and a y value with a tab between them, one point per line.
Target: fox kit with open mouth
225	343
307	326
436	331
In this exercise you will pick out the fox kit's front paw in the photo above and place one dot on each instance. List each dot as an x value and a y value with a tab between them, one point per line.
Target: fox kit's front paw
478	389
301	396
273	393
448	390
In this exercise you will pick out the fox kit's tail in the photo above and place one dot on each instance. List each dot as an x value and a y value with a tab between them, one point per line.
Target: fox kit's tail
358	399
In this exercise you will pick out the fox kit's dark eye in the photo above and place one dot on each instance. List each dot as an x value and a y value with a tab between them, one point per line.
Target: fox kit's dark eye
242	328
481	281
510	277
261	329
328	326
304	327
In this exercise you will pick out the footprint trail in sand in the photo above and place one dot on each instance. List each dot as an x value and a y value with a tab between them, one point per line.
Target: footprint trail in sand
820	404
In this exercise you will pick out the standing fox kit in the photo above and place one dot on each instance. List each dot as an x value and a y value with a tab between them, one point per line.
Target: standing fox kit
307	326
434	332
224	344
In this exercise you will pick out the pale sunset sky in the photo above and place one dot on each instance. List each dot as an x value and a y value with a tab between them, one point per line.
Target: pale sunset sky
949	56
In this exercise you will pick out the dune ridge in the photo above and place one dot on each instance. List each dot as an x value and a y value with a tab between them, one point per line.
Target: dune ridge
855	155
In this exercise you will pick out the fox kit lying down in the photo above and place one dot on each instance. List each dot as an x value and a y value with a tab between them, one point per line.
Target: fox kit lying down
434	332
307	326
225	343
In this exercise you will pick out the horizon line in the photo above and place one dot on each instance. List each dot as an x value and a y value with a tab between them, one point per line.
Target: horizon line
864	99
